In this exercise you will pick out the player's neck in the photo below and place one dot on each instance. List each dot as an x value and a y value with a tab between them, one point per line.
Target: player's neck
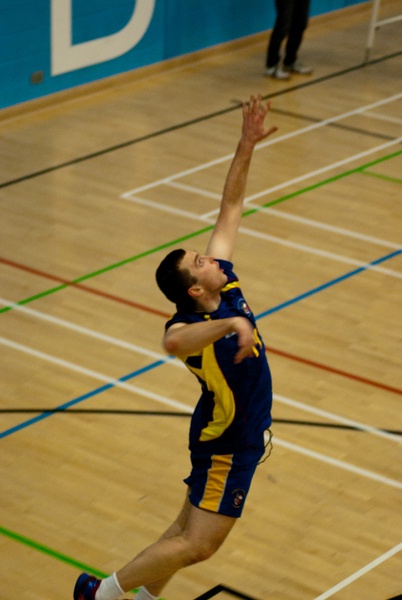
208	303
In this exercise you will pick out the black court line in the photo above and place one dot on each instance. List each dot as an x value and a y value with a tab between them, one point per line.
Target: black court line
349	128
223	588
206	117
165	413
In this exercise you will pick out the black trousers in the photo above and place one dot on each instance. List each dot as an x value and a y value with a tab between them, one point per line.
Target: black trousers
291	21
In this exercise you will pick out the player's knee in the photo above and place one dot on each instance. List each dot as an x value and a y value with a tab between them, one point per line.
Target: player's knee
202	551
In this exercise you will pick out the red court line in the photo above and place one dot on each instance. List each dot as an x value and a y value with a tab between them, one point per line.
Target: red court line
312	363
80	286
287	355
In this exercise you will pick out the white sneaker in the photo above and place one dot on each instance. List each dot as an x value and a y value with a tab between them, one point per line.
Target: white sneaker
277	73
298	68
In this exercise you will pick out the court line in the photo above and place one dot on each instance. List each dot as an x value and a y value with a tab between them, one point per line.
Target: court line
37	546
324	286
22	539
177	363
92	333
84	288
335	371
360	572
272	211
97	572
331	228
382	176
178	126
387	118
180	239
277	240
341	464
337	418
106	269
270	142
120	382
320	171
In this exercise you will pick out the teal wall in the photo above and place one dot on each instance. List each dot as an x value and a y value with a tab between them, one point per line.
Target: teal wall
66	43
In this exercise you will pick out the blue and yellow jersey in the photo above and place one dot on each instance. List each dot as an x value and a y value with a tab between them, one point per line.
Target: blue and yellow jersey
235	405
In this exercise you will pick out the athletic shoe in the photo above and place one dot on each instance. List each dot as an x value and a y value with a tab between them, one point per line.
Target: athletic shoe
86	586
298	68
276	73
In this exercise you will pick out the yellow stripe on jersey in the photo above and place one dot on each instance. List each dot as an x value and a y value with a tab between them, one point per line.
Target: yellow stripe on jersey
217	476
225	407
224	403
230	286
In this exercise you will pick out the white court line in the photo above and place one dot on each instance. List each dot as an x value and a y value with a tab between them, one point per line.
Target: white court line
320	171
180	406
270	142
166	208
383	117
337	463
93	374
271	238
268	210
319	252
337	418
178	363
360	573
91	333
193	190
330	228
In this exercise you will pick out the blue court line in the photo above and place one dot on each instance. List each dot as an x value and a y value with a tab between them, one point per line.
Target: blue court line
329	284
158	363
86	396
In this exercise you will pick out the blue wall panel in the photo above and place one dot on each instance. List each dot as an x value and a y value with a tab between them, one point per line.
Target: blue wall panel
175	27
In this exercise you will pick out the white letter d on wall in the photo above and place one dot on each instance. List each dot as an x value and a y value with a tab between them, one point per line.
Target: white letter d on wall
70	57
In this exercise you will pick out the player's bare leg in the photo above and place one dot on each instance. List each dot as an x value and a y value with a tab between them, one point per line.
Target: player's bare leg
200	534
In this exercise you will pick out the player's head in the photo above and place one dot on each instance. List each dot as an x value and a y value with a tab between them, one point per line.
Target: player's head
175	282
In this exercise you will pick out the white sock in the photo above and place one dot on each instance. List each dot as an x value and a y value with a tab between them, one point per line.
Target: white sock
109	589
143	594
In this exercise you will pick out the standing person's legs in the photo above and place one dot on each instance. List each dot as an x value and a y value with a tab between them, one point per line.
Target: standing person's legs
281	29
298	24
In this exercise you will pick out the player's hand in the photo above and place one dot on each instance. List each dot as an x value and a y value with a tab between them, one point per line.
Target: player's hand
246	340
254	113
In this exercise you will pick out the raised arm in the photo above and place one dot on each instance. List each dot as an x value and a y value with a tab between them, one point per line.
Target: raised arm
223	238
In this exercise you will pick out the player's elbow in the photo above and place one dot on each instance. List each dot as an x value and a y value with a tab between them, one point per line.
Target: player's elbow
171	343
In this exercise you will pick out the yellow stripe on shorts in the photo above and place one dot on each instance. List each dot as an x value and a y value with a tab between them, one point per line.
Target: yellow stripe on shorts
217	477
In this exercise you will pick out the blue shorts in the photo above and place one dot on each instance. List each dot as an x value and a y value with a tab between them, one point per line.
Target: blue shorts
220	483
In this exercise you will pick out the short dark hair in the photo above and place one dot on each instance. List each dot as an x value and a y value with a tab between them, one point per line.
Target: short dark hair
175	282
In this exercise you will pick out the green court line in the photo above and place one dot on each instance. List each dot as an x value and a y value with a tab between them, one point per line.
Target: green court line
104	270
63	557
315	186
198	232
22	539
382	176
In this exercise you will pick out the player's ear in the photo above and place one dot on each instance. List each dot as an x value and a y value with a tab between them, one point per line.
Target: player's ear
195	291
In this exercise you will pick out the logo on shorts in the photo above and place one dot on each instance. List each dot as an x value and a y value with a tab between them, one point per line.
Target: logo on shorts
238	498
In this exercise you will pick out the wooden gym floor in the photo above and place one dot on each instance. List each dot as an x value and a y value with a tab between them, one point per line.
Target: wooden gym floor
95	189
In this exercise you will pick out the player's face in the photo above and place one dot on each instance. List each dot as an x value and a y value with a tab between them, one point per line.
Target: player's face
206	269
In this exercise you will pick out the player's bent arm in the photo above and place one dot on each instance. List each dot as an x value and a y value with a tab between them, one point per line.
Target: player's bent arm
183	339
